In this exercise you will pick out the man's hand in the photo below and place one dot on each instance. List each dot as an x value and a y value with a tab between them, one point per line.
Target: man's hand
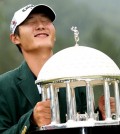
42	113
101	105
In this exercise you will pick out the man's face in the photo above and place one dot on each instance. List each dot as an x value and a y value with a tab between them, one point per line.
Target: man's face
37	32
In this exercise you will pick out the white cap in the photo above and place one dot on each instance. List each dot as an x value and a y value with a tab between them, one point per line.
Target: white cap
22	14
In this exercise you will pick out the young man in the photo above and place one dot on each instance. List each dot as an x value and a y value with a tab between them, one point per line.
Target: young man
21	108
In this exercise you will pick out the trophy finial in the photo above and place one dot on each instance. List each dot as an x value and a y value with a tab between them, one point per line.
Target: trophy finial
76	33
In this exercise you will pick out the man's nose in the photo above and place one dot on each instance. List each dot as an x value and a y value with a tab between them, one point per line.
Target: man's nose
40	25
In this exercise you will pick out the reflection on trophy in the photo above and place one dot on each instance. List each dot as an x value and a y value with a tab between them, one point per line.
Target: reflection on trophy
80	66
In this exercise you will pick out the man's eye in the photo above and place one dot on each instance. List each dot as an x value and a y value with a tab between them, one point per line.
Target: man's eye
29	21
45	20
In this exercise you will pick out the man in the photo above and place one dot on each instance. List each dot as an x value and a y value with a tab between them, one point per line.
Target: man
21	108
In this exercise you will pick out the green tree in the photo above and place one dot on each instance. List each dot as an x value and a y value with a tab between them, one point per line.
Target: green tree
105	43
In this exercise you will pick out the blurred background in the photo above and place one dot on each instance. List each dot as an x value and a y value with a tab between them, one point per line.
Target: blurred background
98	22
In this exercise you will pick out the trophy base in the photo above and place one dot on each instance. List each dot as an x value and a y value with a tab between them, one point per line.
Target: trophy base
81	130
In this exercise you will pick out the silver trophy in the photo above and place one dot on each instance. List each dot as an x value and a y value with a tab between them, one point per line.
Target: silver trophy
79	66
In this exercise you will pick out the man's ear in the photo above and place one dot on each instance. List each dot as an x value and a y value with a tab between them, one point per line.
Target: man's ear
15	39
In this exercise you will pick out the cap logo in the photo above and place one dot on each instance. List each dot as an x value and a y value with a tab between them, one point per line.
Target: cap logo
13	24
27	7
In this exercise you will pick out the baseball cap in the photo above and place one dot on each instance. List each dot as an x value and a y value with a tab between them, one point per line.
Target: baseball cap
22	14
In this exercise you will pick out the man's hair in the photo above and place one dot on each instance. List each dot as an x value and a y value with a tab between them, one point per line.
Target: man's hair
18	34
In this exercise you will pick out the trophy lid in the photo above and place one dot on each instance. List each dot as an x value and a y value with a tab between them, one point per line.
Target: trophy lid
78	62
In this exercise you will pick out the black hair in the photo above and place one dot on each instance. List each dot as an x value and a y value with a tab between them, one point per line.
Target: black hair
18	34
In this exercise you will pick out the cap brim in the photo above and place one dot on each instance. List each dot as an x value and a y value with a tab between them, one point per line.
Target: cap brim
44	9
